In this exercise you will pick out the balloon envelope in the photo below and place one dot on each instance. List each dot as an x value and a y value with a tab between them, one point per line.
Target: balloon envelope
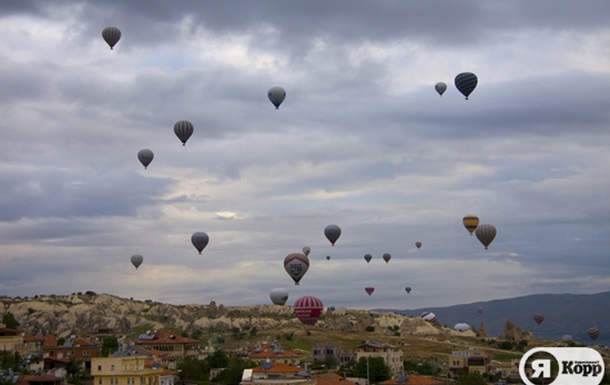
332	233
276	95
308	309
470	222
461	327
440	87
183	130
306	250
200	240
480	309
485	234
386	257
418	244
593	333
369	290
428	316
111	35
328	257
466	82
538	318
136	260
279	296
145	156
408	289
296	265
368	257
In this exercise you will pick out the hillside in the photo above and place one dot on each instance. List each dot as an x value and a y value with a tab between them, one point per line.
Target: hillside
570	314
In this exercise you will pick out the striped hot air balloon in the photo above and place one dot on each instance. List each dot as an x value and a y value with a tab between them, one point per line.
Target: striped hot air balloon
466	82
485	234
538	317
183	130
470	222
111	36
369	290
308	309
593	333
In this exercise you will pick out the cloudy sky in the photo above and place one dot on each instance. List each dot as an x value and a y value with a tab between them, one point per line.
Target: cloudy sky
362	140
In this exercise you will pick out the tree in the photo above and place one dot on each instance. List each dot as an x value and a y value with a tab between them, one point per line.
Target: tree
471	379
9	320
218	359
110	345
194	370
234	371
377	369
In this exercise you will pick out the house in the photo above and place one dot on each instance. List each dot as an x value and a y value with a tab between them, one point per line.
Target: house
44	379
127	370
332	379
169	343
77	349
320	353
469	360
32	346
11	340
274	353
391	354
277	373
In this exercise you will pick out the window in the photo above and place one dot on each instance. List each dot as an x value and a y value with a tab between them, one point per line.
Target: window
112	367
99	382
99	368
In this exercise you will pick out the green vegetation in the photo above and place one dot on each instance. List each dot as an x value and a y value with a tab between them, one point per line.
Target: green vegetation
9	320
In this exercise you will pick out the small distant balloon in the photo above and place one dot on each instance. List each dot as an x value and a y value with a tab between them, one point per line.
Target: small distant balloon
408	289
538	318
200	240
279	296
466	82
480	309
296	265
328	257
111	35
485	234
306	250
470	222
461	327
593	332
145	156
308	309
368	257
386	257
418	245
136	260
276	95
183	130
332	233
440	87
369	290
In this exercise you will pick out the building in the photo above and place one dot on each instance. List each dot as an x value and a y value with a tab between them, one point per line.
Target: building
320	353
411	379
129	370
392	356
44	379
11	340
169	343
277	373
469	361
273	352
73	349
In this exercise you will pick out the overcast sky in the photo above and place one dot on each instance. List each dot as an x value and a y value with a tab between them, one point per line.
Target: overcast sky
362	141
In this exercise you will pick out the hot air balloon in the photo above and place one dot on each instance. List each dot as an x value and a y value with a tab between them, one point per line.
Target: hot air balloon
369	290
145	156
386	257
276	96
593	333
278	296
306	250
408	289
136	260
111	35
308	309
486	234
200	240
480	309
440	87
368	257
428	316
461	327
296	265
418	244
538	317
332	232
466	82
183	130
328	257
470	222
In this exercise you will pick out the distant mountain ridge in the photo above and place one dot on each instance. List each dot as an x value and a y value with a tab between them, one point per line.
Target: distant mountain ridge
564	314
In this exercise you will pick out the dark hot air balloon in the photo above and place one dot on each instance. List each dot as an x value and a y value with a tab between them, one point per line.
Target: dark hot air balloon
440	87
308	309
145	156
332	233
538	318
408	289
136	260
485	234
418	244
200	240
276	95
368	257
111	35
593	332
369	290
466	82
386	257
183	130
